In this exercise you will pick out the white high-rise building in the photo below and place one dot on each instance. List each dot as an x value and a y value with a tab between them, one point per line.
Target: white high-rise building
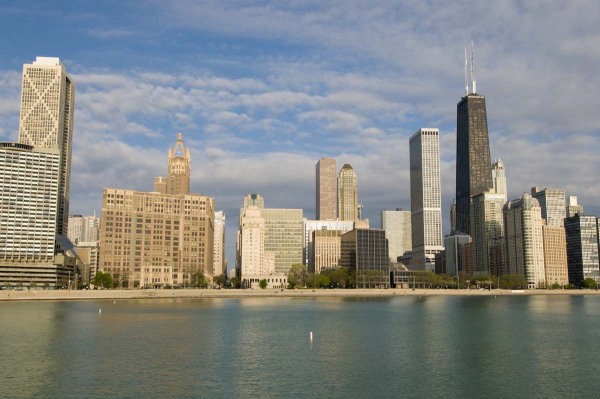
487	224
265	245
425	198
524	241
219	263
398	231
573	208
29	198
552	202
83	229
499	178
47	105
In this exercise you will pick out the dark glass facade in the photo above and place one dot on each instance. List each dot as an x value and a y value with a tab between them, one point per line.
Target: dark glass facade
366	252
582	248
473	161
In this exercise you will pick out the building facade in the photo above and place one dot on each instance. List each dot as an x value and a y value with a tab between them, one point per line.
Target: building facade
152	239
365	251
455	259
398	231
284	237
487	229
573	208
310	226
46	121
425	198
83	229
326	189
582	235
473	161
555	256
347	194
523	240
219	261
156	240
29	202
552	202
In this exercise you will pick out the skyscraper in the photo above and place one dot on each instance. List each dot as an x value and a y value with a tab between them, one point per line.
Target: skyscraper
573	208
326	189
347	194
523	240
552	202
219	261
583	248
473	162
153	239
487	224
46	121
425	198
398	231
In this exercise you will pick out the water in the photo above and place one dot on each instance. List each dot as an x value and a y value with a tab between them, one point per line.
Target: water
527	346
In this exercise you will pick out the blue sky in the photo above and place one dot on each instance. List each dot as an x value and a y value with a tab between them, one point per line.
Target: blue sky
261	90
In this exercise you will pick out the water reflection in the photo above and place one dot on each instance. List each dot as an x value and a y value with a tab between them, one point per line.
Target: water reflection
260	347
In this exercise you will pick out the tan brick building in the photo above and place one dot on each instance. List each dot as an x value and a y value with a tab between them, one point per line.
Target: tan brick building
154	239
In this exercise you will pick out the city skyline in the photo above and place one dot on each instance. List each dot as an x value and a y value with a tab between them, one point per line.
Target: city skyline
266	99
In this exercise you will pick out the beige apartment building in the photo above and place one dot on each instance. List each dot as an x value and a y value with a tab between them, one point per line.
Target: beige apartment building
157	239
555	255
523	240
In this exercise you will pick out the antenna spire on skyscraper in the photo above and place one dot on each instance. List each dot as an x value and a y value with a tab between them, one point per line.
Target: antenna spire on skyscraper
466	76
473	68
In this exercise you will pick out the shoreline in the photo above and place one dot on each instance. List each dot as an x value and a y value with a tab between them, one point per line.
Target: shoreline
64	295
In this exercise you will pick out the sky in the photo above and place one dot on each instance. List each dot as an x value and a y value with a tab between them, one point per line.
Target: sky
261	90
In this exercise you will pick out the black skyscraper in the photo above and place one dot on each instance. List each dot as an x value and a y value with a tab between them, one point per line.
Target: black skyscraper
473	163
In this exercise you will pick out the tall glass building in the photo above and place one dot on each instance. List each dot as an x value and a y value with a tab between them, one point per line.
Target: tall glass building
582	248
473	163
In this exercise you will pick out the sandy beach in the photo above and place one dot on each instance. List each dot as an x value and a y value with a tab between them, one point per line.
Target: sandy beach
61	295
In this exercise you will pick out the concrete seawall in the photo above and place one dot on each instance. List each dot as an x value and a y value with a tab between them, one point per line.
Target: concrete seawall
61	295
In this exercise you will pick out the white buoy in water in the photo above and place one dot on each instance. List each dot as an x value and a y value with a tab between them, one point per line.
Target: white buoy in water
311	336
99	310
114	301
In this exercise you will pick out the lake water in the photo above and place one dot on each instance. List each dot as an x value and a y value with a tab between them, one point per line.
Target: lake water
526	346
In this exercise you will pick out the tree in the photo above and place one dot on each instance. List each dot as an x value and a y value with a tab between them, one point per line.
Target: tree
234	282
297	276
513	281
588	283
323	281
262	283
103	280
220	280
198	279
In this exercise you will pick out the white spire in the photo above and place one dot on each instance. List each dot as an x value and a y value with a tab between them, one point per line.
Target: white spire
466	76
473	68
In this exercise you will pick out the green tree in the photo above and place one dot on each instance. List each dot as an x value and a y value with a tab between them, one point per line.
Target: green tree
323	281
220	280
103	280
234	282
262	283
588	283
297	276
513	281
199	280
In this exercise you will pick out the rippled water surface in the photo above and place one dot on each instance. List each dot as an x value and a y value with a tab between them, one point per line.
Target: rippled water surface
538	346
